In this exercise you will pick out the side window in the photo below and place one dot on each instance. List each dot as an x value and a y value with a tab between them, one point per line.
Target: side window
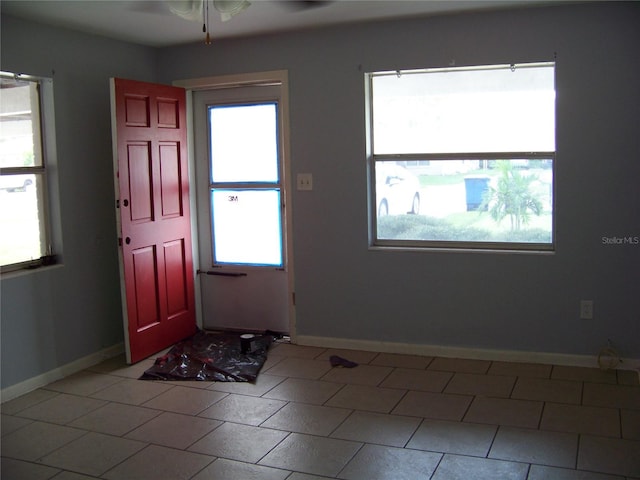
26	147
462	157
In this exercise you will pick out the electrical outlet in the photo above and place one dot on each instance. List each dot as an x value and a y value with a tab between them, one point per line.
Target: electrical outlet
586	309
305	181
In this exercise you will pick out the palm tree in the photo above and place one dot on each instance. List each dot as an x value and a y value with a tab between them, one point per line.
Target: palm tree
512	197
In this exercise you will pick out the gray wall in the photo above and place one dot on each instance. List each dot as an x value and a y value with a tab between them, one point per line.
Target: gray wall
343	289
483	300
50	317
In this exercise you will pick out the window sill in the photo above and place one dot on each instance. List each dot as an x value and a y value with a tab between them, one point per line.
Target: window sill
28	270
387	248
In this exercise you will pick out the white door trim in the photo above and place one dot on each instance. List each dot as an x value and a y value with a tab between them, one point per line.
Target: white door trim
275	77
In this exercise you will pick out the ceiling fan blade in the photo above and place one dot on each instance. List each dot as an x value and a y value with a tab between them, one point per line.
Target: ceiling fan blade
187	9
229	8
302	5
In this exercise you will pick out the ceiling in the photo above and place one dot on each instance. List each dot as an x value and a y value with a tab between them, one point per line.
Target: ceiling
151	23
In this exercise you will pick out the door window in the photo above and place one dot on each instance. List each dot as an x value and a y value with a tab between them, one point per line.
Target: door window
245	184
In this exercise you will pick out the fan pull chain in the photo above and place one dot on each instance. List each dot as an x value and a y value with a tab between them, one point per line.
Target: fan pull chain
205	25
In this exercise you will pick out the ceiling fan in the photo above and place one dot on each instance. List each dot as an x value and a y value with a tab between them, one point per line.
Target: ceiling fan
198	10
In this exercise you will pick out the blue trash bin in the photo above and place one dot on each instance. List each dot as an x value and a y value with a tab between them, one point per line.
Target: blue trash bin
475	188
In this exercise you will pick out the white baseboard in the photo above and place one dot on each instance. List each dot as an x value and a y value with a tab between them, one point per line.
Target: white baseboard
56	374
461	352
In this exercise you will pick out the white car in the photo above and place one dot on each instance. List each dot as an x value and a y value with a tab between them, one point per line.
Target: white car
15	183
397	190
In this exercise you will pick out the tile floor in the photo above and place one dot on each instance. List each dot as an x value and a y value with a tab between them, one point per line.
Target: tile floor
392	417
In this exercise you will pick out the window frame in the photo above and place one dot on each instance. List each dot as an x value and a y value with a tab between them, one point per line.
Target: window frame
45	160
372	159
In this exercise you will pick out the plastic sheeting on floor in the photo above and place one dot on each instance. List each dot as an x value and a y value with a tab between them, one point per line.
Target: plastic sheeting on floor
220	357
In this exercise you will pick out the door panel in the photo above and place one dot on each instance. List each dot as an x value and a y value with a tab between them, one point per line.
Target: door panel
175	273
149	124
144	288
256	301
171	193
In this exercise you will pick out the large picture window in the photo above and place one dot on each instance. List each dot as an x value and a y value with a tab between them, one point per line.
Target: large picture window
26	145
463	157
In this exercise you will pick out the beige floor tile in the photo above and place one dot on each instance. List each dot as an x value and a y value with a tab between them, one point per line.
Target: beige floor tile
311	419
628	377
541	472
300	368
484	385
377	462
264	382
304	391
243	409
303	420
10	424
609	455
575	418
156	462
534	446
630	424
12	407
118	366
93	454
457	467
66	475
515	369
617	396
190	401
62	408
359	356
361	375
402	361
239	442
453	437
85	382
271	361
297	351
115	418
17	469
200	384
422	380
133	392
363	397
223	468
37	439
460	365
378	428
439	406
503	411
174	430
305	476
559	391
310	454
584	374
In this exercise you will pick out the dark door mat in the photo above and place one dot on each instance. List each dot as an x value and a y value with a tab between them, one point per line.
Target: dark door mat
219	357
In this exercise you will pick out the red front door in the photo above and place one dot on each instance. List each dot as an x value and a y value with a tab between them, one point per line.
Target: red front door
152	188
